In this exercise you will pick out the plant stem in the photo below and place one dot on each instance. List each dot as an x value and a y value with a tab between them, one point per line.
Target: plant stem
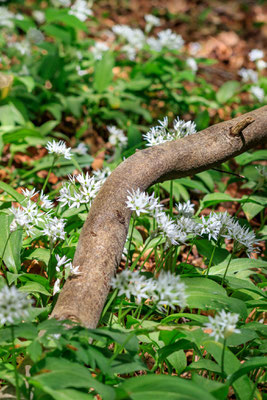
49	173
222	361
15	364
226	269
211	258
130	242
4	250
171	198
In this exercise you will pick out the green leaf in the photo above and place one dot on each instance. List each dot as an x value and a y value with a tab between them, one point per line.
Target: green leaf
207	179
67	394
138	84
59	33
26	81
247	158
207	294
33	287
20	135
192	184
10	243
202	120
161	387
208	365
35	350
178	361
255	363
47	127
227	91
12	192
103	72
205	248
238	265
66	374
216	198
243	386
134	136
253	206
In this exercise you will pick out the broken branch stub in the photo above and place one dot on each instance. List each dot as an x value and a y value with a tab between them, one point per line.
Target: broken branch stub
104	233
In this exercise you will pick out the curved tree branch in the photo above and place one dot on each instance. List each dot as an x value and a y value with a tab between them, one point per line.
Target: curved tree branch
104	233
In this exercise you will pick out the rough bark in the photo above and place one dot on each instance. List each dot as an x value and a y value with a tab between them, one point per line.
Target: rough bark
104	233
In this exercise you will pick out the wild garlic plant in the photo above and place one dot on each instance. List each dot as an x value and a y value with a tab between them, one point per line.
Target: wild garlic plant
185	227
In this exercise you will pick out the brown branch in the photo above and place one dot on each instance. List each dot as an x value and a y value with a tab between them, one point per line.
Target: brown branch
104	233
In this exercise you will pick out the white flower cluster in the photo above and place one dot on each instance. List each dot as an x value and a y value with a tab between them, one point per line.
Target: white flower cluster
98	49
161	134
248	75
117	137
151	21
81	149
81	10
142	203
243	238
7	17
166	40
54	228
89	187
14	305
166	291
136	39
69	269
26	217
30	216
255	55
192	64
185	209
222	325
59	148
23	47
179	230
258	92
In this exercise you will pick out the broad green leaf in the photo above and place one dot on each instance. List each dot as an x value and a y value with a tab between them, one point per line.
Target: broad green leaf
217	389
178	361
47	127
254	363
192	184
208	365
205	248
28	81
20	134
246	158
207	179
202	120
237	265
34	287
216	198
227	91
66	374
10	243
60	33
161	387
207	294
103	72
138	84
253	206
12	192
243	386
67	394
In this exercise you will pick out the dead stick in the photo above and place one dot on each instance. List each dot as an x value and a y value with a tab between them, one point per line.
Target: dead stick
104	232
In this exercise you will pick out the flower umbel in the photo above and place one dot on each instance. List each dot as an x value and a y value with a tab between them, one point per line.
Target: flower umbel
59	148
14	305
222	325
